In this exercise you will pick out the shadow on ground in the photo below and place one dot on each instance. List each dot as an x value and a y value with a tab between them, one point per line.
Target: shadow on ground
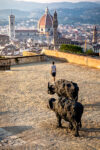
92	105
3	113
12	131
93	133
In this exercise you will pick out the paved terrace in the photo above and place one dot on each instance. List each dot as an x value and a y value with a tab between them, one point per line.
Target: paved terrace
27	123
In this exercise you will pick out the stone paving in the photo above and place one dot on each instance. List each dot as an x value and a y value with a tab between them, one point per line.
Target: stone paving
27	123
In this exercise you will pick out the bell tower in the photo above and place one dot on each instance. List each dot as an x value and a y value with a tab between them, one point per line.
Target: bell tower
55	26
94	41
12	26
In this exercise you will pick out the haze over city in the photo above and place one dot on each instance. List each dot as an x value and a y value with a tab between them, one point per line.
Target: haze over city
50	1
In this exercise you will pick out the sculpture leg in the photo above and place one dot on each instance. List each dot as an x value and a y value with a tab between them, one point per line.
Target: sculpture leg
76	129
80	124
58	120
70	126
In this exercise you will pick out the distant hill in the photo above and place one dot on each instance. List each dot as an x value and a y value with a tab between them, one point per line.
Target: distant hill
29	6
68	13
79	15
18	13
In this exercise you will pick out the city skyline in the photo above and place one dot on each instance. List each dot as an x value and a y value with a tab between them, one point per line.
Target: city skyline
51	1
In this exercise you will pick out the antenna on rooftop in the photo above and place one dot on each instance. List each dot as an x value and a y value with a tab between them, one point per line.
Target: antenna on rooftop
11	11
85	45
46	10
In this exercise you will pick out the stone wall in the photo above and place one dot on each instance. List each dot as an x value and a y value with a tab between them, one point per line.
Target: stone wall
29	53
22	60
74	58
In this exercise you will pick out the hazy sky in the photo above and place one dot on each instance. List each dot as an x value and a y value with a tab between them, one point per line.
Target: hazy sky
49	1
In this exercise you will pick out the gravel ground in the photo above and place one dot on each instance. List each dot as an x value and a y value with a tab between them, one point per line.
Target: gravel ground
27	123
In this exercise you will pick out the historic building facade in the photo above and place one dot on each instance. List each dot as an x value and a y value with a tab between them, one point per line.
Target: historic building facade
12	26
96	46
94	40
26	34
93	45
57	40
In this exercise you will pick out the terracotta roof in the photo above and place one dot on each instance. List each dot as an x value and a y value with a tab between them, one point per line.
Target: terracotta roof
46	21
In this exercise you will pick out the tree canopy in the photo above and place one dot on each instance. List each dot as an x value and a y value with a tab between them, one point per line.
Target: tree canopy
70	48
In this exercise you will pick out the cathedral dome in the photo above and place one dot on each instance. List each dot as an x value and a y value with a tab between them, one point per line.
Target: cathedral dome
45	23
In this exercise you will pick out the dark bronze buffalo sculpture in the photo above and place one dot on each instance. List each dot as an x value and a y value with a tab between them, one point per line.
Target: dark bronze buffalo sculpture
69	110
66	106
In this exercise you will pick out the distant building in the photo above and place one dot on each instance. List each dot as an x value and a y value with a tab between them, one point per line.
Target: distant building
96	48
10	50
4	39
58	40
94	40
12	26
25	34
94	45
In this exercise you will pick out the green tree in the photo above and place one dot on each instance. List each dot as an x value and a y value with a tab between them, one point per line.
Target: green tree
70	48
89	51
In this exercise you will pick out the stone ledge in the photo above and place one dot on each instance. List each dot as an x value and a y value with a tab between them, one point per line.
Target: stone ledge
74	58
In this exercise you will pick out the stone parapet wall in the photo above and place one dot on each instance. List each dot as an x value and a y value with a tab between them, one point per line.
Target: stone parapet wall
74	58
22	60
29	53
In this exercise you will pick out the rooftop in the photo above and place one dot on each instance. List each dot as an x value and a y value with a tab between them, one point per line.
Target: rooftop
46	21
